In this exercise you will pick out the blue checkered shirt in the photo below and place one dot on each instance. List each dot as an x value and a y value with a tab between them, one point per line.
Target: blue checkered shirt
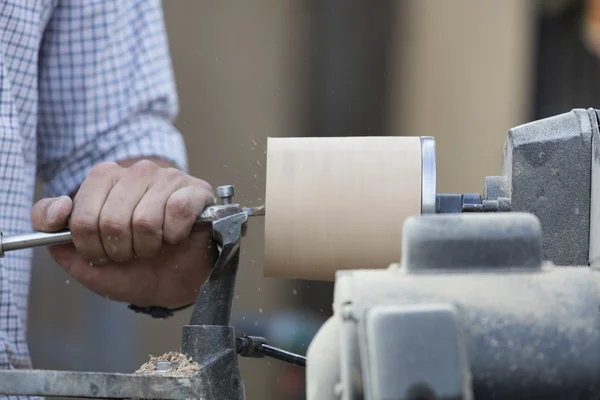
81	82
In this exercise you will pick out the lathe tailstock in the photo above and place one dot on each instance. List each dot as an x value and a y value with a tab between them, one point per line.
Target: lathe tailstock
486	305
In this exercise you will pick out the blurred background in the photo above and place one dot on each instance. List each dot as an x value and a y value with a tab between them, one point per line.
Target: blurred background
463	71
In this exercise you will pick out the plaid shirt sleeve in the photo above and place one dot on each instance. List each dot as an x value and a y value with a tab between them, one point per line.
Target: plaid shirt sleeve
106	90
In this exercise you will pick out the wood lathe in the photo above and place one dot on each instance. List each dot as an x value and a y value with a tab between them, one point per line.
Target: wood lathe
491	295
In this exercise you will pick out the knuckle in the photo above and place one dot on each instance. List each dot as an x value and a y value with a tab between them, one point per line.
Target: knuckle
113	225
144	168
147	225
203	185
180	208
200	187
83	225
103	169
172	174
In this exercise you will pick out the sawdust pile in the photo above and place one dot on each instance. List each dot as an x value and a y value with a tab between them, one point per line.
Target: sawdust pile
186	367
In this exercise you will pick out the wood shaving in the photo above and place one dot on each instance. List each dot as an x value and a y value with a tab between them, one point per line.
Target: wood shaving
186	367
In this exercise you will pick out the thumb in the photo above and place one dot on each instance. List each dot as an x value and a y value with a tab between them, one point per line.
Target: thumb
52	214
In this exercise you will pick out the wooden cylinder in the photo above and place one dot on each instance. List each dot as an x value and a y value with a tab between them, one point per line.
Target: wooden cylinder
336	203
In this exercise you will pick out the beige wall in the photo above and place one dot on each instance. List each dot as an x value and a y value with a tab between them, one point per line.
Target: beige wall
240	68
465	82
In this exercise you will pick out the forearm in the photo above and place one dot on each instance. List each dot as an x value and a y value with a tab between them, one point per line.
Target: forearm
127	119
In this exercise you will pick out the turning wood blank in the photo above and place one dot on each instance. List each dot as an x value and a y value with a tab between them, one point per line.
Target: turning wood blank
338	203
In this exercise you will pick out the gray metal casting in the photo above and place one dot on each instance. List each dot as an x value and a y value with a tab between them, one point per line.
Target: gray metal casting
438	242
107	385
594	252
487	330
547	171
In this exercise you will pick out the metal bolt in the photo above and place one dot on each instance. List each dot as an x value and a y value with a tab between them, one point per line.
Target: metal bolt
165	366
347	311
225	193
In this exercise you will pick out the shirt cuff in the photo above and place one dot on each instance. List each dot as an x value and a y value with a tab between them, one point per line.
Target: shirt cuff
141	138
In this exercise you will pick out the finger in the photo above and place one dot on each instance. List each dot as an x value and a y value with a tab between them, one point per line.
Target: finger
182	209
85	217
51	214
148	218
117	211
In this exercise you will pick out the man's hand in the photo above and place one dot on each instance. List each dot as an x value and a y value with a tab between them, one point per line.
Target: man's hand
132	233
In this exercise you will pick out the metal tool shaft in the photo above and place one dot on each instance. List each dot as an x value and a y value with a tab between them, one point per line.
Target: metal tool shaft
38	239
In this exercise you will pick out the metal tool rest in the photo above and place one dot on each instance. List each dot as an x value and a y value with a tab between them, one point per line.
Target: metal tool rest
208	340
